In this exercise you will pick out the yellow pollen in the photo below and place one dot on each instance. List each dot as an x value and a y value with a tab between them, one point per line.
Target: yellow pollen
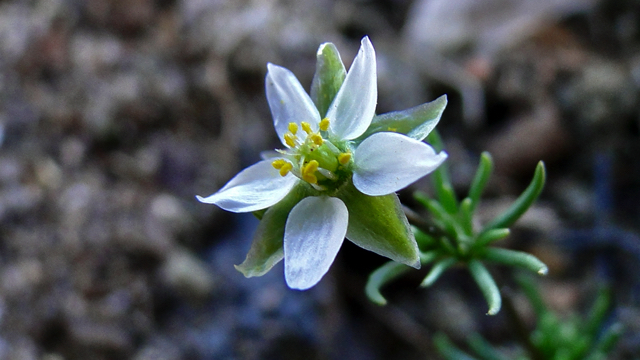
316	138
290	139
308	170
306	127
286	167
279	163
324	124
293	127
344	158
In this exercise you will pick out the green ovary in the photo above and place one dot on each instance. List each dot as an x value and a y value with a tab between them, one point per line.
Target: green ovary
315	160
324	156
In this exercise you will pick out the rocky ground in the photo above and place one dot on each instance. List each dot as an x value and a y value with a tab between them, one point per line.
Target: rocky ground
114	114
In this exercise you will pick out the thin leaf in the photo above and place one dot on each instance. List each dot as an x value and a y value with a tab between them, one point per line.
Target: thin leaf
490	236
487	285
516	258
483	348
440	178
609	338
447	245
522	204
466	216
437	270
441	217
448	350
480	179
382	276
424	240
532	293
598	312
429	256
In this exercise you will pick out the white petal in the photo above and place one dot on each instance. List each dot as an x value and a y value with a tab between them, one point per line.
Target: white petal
287	100
257	187
354	106
387	162
313	235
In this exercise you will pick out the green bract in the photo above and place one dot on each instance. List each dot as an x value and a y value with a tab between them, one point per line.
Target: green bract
337	174
450	237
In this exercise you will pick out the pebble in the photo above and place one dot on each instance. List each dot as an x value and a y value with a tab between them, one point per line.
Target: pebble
188	275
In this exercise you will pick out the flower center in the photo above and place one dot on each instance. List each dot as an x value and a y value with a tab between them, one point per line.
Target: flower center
312	157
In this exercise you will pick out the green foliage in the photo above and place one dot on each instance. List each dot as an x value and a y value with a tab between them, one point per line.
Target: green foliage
554	338
451	238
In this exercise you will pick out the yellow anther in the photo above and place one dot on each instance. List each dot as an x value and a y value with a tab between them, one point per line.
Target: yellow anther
286	167
293	127
344	158
310	178
277	164
309	170
290	139
392	129
324	124
316	138
306	127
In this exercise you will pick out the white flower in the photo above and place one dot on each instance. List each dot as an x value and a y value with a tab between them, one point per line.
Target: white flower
321	153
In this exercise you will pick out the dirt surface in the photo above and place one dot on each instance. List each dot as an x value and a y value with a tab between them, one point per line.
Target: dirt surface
115	114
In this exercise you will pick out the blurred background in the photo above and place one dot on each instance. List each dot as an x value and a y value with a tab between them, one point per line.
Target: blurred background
114	114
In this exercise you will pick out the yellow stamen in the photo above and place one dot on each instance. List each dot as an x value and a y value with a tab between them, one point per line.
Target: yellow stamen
316	138
293	127
286	167
324	124
344	158
306	127
310	178
392	129
308	170
290	139
277	164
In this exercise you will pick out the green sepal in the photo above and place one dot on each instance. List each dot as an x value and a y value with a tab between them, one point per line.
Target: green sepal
522	203
416	122
266	249
329	76
378	224
382	276
487	285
